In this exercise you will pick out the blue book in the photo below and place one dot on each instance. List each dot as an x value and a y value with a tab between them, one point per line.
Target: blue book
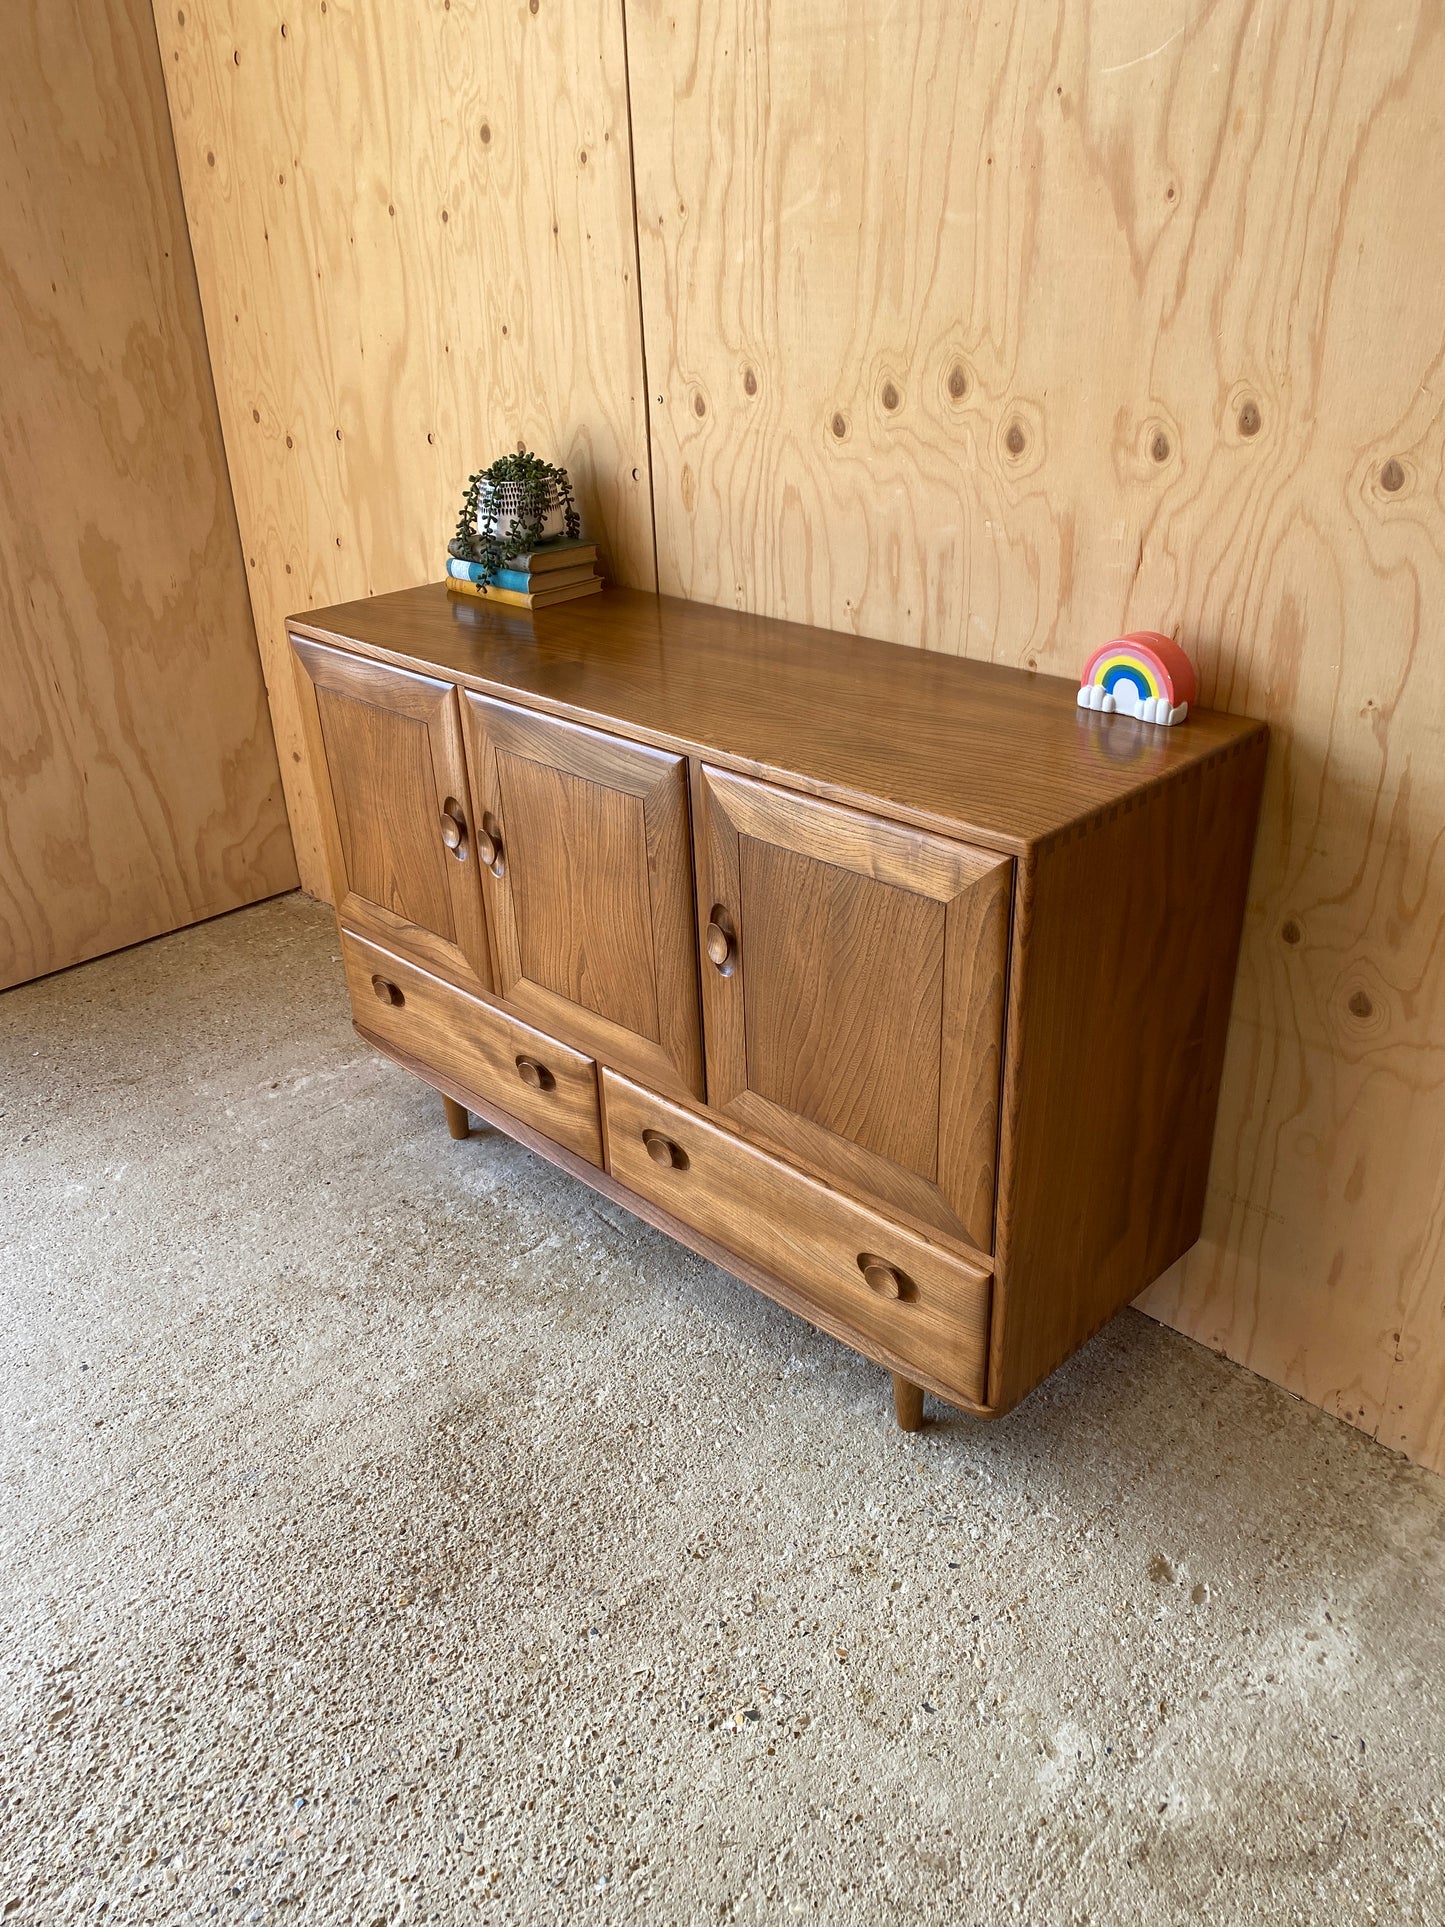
521	580
516	579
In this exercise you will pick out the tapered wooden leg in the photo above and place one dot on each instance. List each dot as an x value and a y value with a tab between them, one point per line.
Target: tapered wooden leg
908	1404
458	1123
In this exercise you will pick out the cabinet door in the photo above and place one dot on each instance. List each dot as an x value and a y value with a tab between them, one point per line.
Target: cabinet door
589	889
853	993
386	745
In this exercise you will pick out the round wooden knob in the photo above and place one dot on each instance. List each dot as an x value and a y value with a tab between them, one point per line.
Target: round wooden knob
388	992
489	847
719	945
452	831
535	1075
663	1151
882	1277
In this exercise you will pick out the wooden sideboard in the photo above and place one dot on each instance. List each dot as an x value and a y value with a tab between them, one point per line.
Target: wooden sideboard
894	983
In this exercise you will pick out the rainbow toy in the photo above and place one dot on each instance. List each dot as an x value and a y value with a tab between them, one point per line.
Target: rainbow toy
1143	674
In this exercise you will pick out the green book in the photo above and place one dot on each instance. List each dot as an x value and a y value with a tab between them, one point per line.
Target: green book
557	553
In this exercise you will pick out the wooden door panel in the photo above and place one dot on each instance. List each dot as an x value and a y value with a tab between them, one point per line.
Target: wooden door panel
856	1021
392	855
590	903
386	745
841	1055
574	845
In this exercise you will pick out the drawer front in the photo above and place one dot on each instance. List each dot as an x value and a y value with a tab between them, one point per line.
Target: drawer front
477	1047
907	1297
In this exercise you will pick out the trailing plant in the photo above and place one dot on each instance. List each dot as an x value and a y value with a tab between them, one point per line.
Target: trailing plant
520	486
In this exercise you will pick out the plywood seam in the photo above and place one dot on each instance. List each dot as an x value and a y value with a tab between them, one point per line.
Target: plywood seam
366	200
637	274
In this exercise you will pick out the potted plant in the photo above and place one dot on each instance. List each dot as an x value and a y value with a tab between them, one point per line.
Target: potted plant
511	507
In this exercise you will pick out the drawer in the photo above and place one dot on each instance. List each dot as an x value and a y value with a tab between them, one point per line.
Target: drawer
481	1049
905	1297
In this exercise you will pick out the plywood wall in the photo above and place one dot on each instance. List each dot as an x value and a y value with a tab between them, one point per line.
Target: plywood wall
1000	329
991	330
413	231
136	763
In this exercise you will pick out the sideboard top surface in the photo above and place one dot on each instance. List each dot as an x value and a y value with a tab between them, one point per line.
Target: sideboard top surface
1004	752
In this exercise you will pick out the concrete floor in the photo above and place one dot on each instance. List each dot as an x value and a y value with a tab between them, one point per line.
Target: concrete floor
393	1531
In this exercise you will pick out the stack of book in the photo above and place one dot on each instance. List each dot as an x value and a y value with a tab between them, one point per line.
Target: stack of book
555	571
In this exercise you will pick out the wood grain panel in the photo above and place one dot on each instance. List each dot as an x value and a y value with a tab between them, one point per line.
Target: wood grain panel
833	954
1122	970
572	846
1002	330
137	769
413	232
